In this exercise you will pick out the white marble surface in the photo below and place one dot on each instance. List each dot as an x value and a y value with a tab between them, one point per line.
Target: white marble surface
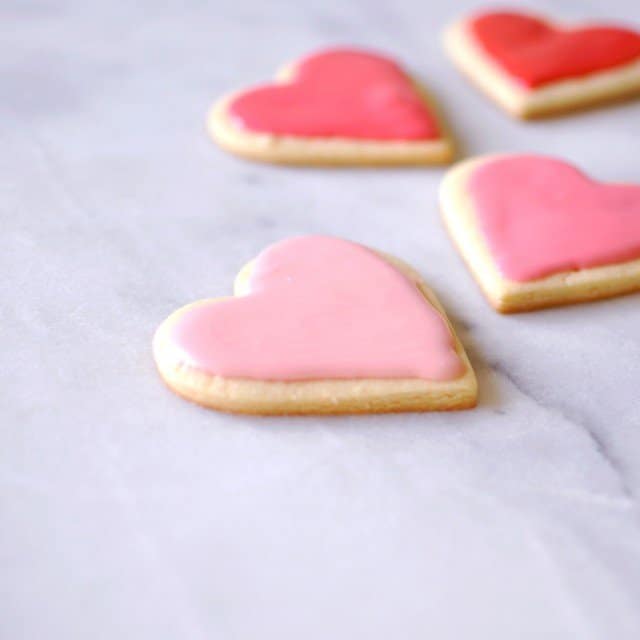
128	513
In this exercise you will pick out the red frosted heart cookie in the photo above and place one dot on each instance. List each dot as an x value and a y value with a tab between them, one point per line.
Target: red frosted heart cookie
340	106
318	325
534	67
536	232
538	53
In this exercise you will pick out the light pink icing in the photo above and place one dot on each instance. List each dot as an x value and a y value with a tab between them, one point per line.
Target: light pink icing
320	308
541	216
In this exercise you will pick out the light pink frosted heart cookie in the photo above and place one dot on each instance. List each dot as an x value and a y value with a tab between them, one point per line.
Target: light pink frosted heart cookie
537	232
317	325
334	107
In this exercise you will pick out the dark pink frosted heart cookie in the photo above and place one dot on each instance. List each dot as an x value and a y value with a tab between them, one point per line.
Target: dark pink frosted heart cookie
342	93
336	107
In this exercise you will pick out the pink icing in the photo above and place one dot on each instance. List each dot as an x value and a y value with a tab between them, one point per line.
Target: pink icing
320	308
339	93
541	216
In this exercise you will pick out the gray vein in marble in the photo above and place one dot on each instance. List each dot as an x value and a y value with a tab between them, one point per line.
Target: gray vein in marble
588	426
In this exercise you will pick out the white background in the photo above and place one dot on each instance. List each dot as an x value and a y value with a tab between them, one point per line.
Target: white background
126	512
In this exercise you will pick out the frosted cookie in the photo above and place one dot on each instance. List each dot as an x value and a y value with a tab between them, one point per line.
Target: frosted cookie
335	107
536	232
317	325
533	67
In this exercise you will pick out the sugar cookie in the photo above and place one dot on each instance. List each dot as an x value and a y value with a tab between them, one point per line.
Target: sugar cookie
335	107
317	325
536	232
532	67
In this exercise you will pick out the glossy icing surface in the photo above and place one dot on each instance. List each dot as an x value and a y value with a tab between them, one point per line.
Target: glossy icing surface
319	308
339	93
541	216
536	52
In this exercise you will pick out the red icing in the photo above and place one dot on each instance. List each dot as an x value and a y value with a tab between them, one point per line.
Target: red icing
536	52
541	216
319	308
339	93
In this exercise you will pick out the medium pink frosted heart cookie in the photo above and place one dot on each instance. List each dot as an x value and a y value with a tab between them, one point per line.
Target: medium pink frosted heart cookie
317	325
537	232
533	67
339	106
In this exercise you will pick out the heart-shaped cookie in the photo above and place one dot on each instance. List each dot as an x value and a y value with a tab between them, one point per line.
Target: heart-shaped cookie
317	325
534	67
341	106
537	52
537	232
